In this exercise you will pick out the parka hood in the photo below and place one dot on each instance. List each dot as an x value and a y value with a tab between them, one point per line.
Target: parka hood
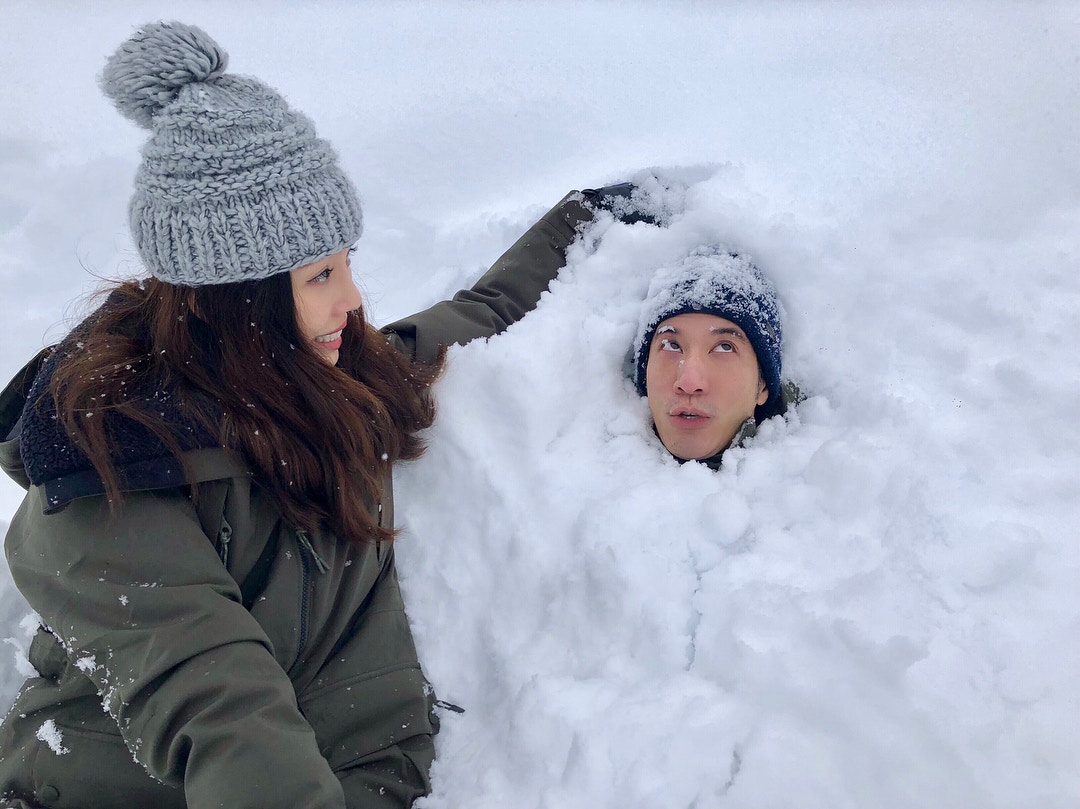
12	402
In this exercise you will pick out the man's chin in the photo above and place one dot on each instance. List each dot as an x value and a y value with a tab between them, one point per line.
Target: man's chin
691	450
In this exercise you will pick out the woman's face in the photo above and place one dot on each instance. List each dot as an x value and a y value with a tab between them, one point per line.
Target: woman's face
324	294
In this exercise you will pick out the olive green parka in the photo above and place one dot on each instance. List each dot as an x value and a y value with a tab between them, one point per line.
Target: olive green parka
200	652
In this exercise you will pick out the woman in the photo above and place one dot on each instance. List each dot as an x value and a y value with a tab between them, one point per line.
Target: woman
207	530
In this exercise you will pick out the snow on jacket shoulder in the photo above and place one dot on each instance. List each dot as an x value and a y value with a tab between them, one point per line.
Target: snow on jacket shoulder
201	652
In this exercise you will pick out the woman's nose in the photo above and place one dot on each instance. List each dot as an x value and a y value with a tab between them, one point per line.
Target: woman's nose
350	298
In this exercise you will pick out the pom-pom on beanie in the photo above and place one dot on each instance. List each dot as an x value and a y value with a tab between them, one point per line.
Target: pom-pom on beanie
233	184
713	281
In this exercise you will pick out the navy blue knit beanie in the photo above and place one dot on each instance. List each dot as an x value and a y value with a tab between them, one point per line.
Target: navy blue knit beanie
714	281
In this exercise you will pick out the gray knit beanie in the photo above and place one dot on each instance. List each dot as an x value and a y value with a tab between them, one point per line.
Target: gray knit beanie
715	281
233	185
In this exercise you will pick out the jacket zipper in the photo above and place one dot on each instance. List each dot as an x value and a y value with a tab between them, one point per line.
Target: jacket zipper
305	543
305	594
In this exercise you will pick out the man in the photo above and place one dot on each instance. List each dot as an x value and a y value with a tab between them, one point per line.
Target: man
707	355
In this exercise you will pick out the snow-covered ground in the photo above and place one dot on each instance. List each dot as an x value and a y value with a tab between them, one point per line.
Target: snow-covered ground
875	604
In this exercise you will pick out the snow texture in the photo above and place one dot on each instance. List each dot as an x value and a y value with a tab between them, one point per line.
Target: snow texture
51	735
28	627
17	629
701	279
87	664
874	603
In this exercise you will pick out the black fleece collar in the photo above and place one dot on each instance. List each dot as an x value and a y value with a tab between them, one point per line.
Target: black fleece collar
51	458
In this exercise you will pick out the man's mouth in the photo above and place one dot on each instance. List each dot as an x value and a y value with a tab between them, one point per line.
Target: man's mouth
689	414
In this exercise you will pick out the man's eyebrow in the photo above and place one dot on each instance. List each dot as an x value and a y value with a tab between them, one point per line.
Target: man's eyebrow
717	330
728	330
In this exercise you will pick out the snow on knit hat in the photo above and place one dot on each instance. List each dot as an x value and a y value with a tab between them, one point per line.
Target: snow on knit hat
233	184
714	281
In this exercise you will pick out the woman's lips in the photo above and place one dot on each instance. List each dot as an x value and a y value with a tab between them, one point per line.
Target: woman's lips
331	341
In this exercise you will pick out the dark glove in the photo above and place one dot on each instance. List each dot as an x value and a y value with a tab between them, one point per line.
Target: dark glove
623	200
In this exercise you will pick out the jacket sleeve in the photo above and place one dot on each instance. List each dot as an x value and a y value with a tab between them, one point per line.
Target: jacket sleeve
504	294
142	604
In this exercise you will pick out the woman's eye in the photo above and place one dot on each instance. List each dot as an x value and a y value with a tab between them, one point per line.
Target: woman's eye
669	345
725	347
323	276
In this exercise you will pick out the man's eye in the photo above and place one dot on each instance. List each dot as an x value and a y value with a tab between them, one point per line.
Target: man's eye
725	347
669	345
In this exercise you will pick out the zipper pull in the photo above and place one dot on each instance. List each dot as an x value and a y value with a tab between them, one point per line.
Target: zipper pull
378	543
441	703
224	536
302	537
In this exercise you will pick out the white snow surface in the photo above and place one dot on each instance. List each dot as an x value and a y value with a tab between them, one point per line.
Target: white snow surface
875	603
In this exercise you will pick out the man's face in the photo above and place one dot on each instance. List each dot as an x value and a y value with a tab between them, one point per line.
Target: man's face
702	381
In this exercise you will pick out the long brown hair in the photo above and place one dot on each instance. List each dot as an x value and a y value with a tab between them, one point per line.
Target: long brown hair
321	437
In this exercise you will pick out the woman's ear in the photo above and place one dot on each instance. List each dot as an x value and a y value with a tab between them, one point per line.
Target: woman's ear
763	393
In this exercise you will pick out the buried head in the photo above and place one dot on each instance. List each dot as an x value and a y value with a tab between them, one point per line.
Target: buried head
708	350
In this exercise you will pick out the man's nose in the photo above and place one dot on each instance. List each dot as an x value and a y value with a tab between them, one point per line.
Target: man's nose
690	377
